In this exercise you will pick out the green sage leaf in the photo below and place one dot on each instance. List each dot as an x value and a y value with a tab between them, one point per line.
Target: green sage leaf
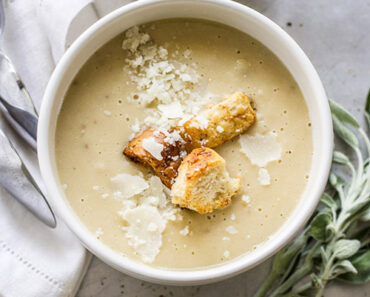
344	133
367	108
344	266
360	206
340	158
346	248
316	281
308	292
318	226
285	256
361	261
323	255
366	216
330	230
336	180
342	114
327	200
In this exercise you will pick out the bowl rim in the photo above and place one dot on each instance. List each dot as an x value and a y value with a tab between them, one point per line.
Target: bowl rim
161	275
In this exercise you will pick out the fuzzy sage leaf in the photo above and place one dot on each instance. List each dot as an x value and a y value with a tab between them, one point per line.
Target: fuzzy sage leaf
342	267
340	158
361	262
346	248
345	133
318	226
327	200
342	114
367	108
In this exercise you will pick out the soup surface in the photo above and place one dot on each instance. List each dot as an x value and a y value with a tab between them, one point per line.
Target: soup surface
170	73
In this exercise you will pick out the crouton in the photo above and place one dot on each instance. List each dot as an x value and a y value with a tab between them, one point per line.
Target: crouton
203	183
220	122
165	164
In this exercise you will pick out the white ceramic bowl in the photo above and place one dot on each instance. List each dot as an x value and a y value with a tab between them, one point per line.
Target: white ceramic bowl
234	15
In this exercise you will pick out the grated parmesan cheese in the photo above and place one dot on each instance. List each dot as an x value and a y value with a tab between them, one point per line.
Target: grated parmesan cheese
105	195
184	231
202	122
170	87
226	254
219	129
134	39
136	126
172	110
187	53
231	229
263	177
246	199
99	232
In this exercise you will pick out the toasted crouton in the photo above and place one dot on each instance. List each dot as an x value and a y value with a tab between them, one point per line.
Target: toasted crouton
171	157
220	122
203	183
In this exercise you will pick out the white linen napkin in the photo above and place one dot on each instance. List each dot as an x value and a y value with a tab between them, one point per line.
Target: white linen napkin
36	261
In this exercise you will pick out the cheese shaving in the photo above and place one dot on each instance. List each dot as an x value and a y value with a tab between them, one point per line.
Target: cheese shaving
260	149
144	231
263	177
246	199
184	231
126	185
231	229
145	218
153	147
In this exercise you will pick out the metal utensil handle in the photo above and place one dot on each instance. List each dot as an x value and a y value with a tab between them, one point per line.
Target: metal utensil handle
18	80
44	211
24	118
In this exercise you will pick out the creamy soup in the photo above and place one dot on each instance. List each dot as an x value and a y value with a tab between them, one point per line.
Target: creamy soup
115	95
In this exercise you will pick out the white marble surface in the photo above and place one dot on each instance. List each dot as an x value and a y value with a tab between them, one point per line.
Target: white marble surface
335	36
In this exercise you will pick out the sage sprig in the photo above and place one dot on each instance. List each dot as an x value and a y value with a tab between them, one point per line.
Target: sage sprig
336	242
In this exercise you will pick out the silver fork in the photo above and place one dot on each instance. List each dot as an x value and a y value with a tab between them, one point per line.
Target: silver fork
25	124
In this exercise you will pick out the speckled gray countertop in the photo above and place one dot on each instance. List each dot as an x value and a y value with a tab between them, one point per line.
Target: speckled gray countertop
335	36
